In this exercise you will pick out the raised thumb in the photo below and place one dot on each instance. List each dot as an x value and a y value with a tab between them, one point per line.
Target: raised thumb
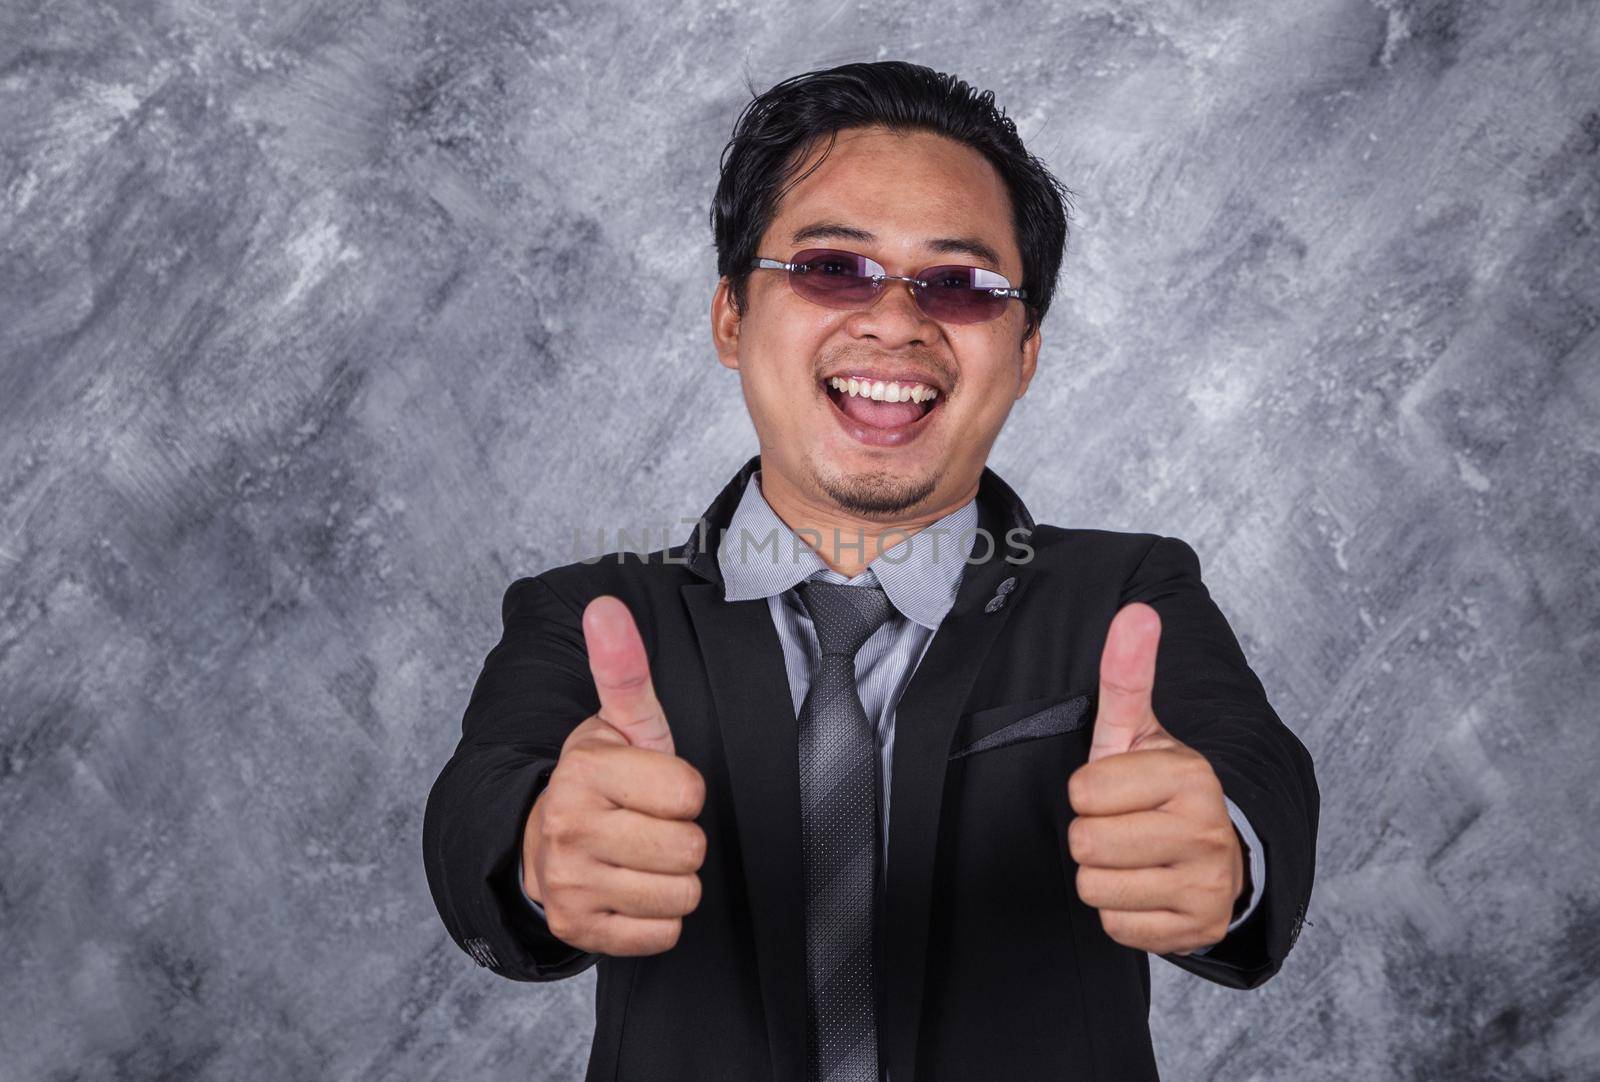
621	671
1127	677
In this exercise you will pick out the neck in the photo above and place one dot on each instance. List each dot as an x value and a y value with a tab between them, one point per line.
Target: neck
848	543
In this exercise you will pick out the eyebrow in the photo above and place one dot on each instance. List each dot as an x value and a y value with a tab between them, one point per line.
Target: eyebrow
943	245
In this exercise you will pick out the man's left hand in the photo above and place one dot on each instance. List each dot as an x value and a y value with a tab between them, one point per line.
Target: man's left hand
1157	853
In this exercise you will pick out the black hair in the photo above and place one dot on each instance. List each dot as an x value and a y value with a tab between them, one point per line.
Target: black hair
772	134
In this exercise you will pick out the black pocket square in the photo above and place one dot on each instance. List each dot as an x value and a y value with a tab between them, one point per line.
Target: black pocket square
993	728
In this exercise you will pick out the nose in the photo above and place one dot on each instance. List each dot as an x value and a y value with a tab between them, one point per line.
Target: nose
895	318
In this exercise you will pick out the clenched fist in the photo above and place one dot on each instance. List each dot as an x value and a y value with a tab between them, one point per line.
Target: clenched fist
610	848
1157	852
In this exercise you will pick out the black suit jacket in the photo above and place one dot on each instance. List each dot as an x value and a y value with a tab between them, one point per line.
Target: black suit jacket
994	968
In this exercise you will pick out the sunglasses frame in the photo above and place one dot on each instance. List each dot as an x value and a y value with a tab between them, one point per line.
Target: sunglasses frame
878	280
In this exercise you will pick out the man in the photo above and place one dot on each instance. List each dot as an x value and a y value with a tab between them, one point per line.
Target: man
819	797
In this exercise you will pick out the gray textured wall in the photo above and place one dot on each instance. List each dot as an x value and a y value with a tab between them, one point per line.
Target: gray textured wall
320	323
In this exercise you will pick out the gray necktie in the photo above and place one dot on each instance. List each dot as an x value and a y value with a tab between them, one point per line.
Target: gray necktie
839	820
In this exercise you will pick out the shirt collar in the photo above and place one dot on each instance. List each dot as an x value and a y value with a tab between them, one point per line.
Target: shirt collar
760	556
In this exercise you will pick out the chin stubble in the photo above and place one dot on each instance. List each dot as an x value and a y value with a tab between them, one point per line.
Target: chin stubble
871	495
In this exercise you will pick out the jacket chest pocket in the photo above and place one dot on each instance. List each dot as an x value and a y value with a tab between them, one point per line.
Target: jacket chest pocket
1019	722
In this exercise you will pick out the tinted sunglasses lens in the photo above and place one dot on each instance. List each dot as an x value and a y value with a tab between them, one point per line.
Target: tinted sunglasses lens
837	279
961	294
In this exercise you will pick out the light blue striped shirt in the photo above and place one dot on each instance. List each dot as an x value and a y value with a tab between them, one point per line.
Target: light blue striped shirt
760	556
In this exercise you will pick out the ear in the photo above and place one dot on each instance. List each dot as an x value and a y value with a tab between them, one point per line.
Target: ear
1030	359
725	325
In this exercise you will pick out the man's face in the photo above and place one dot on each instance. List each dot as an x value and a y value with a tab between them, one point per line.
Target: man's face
898	194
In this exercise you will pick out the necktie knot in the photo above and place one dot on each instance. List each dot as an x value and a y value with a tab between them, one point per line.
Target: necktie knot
845	616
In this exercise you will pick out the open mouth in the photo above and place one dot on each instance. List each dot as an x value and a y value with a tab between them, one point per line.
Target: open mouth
881	414
882	408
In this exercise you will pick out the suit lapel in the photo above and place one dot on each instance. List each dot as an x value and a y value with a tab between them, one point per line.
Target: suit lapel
925	725
750	690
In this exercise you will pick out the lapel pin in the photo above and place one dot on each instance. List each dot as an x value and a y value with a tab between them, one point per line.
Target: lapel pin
1000	593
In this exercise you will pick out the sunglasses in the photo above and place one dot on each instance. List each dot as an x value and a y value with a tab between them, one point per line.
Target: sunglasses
949	294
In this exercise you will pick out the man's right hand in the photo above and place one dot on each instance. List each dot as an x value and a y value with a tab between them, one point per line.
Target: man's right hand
610	848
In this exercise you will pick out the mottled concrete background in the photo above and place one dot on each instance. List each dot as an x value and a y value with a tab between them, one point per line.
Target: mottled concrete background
321	323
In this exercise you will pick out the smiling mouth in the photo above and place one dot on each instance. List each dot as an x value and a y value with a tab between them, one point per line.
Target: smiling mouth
897	406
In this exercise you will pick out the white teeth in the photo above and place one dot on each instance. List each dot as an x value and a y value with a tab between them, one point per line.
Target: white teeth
880	391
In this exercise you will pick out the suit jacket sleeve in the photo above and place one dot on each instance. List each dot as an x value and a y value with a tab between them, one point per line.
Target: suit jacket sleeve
1254	869
1207	696
535	688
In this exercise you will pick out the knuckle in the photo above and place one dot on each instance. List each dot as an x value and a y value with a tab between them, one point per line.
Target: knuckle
691	892
1087	886
697	848
1211	876
559	825
577	736
679	800
558	783
652	938
668	936
604	737
562	924
692	790
1078	841
1200	772
582	764
560	877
